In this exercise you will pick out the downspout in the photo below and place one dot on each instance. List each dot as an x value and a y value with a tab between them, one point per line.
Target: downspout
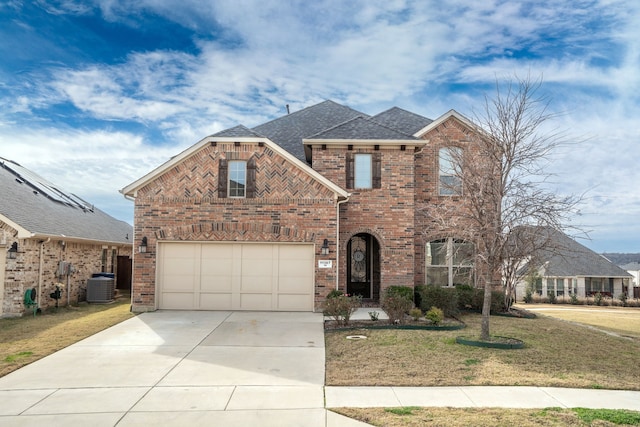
42	243
338	241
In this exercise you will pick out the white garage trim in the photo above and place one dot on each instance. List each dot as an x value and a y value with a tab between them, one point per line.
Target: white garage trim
235	276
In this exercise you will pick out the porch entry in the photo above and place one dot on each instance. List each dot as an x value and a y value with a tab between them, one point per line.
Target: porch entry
363	267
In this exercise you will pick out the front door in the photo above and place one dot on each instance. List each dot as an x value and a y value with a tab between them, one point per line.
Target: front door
362	271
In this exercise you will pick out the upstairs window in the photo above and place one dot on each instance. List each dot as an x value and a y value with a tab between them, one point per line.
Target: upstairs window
450	183
237	178
364	171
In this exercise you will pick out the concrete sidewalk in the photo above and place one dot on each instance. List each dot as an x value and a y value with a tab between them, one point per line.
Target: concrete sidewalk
233	369
481	396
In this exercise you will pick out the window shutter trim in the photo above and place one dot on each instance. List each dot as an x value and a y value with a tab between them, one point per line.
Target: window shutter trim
377	171
223	168
251	178
349	170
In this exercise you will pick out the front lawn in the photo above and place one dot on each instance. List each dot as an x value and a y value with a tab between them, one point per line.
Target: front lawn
26	339
491	417
556	354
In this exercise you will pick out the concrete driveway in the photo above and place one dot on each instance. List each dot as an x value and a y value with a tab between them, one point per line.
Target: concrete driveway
179	368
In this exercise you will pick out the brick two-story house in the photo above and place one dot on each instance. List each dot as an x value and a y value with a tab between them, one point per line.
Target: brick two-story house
277	216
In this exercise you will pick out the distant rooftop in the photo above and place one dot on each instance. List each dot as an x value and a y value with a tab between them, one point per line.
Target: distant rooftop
42	208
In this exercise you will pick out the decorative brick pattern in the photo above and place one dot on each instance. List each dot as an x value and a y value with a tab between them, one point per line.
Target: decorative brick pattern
290	206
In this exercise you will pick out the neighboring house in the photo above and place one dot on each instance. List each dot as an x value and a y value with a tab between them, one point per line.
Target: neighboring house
633	268
277	216
51	238
565	267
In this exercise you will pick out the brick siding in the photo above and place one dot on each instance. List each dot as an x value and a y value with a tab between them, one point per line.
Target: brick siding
23	272
183	205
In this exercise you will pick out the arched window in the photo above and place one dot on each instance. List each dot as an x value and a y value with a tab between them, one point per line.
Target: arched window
449	169
449	262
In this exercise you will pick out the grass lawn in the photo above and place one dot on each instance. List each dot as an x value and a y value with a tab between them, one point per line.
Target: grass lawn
619	320
489	417
557	353
26	339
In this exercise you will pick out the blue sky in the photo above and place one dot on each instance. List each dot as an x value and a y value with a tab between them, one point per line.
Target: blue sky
95	94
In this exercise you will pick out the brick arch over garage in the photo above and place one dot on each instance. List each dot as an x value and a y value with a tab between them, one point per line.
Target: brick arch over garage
235	231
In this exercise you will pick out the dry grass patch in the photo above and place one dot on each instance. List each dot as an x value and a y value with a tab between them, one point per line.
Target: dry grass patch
622	321
26	339
489	417
556	354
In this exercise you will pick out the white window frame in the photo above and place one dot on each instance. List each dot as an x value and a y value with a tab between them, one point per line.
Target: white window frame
237	179
449	259
363	171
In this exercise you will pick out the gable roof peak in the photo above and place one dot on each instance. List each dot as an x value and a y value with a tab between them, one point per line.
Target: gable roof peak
238	131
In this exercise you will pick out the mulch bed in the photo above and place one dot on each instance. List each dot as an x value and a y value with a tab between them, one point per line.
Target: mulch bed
445	325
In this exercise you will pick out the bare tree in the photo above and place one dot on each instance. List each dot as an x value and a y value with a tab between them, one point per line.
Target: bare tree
500	175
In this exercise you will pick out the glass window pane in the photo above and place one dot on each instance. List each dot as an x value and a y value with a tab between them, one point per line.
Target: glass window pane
450	182
462	253
438	276
363	171
462	276
237	179
437	253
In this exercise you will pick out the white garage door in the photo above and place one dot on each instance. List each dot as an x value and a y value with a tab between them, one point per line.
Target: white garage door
235	276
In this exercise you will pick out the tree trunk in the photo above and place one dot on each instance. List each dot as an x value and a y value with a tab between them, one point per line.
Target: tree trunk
486	311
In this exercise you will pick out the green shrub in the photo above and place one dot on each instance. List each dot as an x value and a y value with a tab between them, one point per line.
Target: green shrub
597	298
400	291
335	293
574	299
552	297
623	299
435	315
341	307
396	307
497	301
436	296
465	296
415	313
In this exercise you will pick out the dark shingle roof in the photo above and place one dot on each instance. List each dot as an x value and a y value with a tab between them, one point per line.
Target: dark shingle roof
568	258
40	207
402	120
361	128
238	132
288	131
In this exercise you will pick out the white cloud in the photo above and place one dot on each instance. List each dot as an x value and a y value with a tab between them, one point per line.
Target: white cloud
369	55
95	165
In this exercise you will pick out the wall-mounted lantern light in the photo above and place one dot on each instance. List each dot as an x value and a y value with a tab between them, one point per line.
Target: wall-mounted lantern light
143	245
325	247
12	253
